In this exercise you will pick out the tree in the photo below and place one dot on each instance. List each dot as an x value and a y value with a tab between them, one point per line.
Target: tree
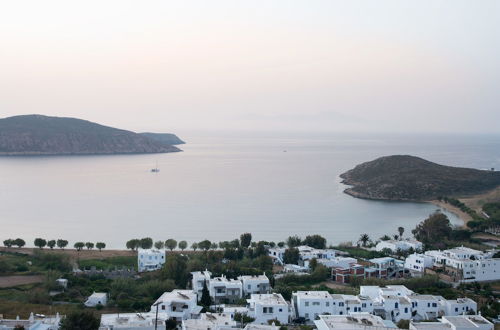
146	243
245	240
19	242
133	244
171	324
214	246
433	229
89	245
313	264
315	241
159	245
385	238
401	230
205	245
364	238
61	243
51	243
79	246
194	246
171	244
80	320
205	300
281	244
40	242
183	245
291	256
175	268
100	245
293	241
8	243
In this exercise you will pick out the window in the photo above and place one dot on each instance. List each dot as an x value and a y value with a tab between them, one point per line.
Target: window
327	304
315	303
306	303
406	309
456	309
363	305
281	310
434	304
396	305
163	307
341	304
306	315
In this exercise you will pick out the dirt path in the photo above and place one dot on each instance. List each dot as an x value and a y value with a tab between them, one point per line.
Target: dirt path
15	280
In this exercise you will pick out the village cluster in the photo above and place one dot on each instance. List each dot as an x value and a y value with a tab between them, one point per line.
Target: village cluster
373	308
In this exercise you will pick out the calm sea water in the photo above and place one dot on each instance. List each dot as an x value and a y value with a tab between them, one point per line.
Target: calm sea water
218	188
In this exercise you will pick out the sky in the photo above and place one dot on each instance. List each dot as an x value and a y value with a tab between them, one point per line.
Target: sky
418	66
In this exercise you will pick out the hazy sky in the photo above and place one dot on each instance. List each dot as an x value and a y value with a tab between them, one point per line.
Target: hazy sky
419	66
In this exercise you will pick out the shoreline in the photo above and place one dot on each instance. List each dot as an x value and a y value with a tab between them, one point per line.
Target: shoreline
453	209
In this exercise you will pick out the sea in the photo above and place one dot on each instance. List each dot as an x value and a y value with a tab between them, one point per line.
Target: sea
221	185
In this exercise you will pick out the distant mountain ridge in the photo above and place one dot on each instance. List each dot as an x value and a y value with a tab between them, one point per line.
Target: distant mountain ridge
44	135
403	177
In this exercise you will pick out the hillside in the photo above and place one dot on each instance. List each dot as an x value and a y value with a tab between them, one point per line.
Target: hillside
43	135
416	179
166	138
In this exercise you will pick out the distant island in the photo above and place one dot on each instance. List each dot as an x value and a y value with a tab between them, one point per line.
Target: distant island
44	135
409	178
167	138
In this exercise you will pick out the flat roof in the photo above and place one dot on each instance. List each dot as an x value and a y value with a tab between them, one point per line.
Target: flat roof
269	298
313	294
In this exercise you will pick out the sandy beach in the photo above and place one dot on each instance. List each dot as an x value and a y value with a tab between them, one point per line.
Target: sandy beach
453	209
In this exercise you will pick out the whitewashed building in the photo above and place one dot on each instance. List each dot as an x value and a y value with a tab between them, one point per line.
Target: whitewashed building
418	262
198	281
467	265
133	321
34	322
212	321
224	290
97	298
255	284
150	259
354	321
402	245
178	304
268	307
310	304
458	306
462	322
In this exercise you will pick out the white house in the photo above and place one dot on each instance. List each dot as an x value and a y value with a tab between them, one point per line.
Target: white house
354	321
212	321
133	321
311	304
341	262
462	322
458	306
266	307
97	298
424	307
418	262
198	281
224	290
306	254
374	291
403	245
467	265
34	322
178	304
255	284
150	259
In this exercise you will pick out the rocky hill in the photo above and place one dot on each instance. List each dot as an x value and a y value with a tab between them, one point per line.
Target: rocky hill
43	135
167	138
415	179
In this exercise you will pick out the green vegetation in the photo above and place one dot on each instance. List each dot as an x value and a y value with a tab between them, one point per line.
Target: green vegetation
109	263
81	320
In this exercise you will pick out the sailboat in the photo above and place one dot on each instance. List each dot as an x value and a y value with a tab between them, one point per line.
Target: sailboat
156	169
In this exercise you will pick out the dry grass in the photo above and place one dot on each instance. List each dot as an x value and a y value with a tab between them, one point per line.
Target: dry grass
15	280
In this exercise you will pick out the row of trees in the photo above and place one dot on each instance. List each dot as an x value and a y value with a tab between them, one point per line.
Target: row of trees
62	243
